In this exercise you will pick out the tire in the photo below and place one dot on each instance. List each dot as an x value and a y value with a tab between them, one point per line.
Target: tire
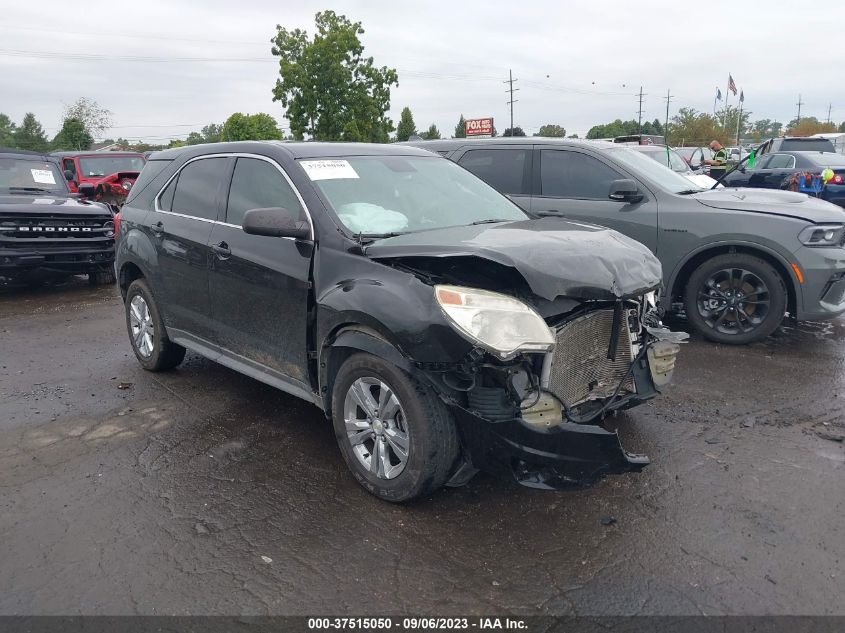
713	299
156	352
101	278
429	430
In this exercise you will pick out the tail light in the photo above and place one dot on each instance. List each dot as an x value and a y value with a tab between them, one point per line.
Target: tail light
116	224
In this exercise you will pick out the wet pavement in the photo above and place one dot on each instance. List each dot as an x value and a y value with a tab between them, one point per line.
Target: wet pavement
201	491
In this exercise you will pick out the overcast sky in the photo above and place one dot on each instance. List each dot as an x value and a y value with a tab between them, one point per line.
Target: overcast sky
577	63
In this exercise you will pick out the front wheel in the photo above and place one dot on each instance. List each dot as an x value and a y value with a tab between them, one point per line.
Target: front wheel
395	434
735	299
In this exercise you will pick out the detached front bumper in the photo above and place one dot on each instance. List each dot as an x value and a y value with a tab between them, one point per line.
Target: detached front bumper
566	456
561	456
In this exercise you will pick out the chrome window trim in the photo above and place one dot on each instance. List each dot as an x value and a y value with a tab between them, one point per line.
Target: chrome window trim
158	209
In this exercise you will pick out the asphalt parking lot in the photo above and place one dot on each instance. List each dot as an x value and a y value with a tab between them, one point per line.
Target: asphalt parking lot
201	491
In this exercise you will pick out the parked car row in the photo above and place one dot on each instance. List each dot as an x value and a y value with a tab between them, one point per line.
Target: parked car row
734	260
443	327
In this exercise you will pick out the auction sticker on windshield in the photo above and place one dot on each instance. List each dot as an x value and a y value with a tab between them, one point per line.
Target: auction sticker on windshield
328	169
43	176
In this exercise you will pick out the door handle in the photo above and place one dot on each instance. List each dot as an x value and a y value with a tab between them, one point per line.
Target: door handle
157	228
222	250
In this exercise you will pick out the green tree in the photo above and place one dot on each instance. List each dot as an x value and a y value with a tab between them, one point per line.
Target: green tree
572	136
842	126
808	126
406	128
30	135
73	136
461	128
95	118
431	134
517	131
690	127
351	132
325	82
552	130
211	132
250	127
194	138
7	131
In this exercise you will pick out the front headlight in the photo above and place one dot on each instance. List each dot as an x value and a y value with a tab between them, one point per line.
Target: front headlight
499	323
822	235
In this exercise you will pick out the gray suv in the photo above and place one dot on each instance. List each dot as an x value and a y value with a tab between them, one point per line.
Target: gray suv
735	260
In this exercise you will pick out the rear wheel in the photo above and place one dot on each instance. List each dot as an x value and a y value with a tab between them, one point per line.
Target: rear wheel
395	434
735	299
146	330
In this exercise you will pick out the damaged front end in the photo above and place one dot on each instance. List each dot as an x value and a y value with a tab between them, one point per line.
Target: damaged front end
565	331
537	416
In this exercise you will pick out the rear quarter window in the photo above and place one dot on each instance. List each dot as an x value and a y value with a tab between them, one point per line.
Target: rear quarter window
152	169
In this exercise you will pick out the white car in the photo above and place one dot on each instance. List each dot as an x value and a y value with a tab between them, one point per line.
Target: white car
669	157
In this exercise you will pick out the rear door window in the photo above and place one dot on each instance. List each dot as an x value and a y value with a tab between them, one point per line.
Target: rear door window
257	184
781	161
504	169
197	188
568	174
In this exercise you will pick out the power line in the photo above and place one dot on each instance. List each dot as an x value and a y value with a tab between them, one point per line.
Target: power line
511	90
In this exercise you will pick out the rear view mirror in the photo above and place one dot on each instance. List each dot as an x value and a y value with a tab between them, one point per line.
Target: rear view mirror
275	222
624	190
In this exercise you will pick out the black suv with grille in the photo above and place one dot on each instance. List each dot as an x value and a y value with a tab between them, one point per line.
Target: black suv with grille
439	327
46	229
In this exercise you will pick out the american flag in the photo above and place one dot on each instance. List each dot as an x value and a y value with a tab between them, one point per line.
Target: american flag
731	84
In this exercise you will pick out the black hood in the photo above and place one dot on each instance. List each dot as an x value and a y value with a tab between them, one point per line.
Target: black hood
47	203
772	202
554	256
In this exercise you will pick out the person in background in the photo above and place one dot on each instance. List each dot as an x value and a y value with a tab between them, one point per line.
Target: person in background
720	156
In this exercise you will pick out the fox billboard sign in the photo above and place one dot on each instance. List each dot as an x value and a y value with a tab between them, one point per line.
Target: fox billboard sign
480	127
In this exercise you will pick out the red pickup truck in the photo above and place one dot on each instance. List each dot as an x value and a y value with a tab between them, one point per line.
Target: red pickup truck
111	174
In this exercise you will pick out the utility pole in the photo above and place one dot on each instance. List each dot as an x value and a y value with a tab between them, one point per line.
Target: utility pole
829	108
640	113
666	126
511	90
799	104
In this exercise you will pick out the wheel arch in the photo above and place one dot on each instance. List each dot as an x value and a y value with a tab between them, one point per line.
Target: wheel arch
129	272
696	258
343	342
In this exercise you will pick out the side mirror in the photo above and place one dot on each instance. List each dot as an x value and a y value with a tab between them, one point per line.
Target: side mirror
68	175
275	222
87	190
624	190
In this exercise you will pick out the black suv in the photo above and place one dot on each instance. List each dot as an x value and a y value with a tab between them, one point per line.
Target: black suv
439	327
46	229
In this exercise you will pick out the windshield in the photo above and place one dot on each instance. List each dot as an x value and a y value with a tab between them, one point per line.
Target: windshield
807	145
108	165
378	195
670	158
32	175
654	171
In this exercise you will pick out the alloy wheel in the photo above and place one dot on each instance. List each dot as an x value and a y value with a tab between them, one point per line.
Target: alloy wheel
733	301
141	324
376	427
